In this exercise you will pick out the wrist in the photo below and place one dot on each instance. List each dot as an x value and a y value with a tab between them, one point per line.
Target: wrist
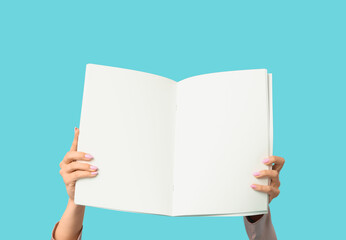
74	206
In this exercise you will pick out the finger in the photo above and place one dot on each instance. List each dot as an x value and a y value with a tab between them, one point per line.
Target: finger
75	140
74	166
276	160
272	174
73	156
74	176
261	188
272	191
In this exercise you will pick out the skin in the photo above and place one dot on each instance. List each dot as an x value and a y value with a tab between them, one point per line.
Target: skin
273	189
71	222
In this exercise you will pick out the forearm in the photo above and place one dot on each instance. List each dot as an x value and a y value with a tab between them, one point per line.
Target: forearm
71	222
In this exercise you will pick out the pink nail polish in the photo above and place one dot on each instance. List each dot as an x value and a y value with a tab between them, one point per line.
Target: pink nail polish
253	186
256	173
94	173
266	160
75	128
93	167
89	156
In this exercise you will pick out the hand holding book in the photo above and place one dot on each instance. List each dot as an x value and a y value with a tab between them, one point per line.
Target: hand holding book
71	170
272	190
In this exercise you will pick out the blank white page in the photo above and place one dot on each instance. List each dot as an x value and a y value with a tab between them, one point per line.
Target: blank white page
127	123
222	136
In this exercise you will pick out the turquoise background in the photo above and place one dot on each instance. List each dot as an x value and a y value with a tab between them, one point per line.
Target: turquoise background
44	47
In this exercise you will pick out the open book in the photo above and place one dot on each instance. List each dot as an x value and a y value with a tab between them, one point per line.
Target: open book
172	148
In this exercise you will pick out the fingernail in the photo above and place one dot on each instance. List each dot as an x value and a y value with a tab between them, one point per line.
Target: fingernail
94	173
75	128
256	173
266	160
88	156
253	186
93	167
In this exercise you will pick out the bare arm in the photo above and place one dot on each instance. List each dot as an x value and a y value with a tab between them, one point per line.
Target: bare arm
71	222
70	225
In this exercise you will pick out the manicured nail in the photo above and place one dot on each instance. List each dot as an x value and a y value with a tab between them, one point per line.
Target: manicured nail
266	160
94	173
256	173
93	167
253	186
75	128
88	156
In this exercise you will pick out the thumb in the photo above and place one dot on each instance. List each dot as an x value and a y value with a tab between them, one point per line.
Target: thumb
75	140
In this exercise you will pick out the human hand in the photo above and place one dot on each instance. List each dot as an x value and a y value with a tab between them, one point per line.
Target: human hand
273	189
71	170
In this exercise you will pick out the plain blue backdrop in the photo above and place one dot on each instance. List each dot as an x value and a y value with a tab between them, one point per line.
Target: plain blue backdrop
45	46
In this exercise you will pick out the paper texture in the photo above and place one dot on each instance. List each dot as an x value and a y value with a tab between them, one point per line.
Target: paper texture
175	148
127	124
222	136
